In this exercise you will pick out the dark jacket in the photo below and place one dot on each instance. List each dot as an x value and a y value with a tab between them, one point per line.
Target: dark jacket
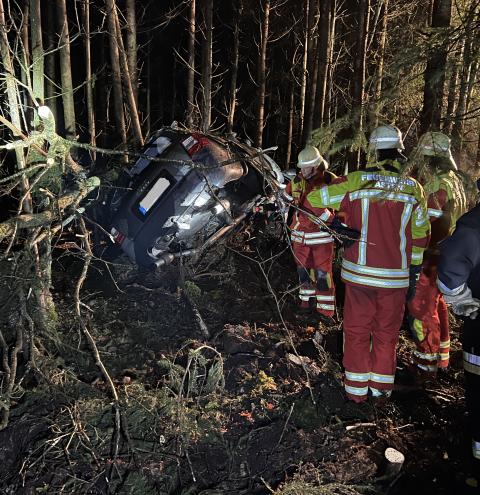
460	254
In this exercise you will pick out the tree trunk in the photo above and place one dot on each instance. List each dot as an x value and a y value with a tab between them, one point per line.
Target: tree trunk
468	75
23	54
358	83
261	74
472	82
13	102
382	41
452	96
45	310
148	95
435	70
313	70
127	81
66	72
37	52
50	66
116	73
457	131
330	71
291	112
101	49
191	65
323	60
88	74
132	46
207	67
477	161
235	60
304	75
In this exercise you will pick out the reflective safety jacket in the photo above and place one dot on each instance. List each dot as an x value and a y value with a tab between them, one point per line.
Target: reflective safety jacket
303	230
460	257
447	202
390	211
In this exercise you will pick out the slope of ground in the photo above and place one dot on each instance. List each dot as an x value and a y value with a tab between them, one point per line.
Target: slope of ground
255	408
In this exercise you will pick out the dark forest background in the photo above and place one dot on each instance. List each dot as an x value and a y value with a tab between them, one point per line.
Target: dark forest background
272	71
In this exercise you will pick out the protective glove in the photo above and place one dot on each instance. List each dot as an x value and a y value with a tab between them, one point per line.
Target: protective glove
348	236
414	275
464	304
467	310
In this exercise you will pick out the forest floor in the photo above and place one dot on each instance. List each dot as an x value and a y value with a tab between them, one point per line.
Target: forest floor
255	408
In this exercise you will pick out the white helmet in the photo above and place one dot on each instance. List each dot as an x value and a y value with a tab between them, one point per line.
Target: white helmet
386	137
437	144
311	157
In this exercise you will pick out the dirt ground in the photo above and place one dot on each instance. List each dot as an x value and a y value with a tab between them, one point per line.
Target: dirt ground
255	408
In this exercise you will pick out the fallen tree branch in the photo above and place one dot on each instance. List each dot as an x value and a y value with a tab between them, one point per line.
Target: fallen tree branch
72	164
116	435
28	221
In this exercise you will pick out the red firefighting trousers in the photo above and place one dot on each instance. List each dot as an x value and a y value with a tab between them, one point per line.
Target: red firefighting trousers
371	323
314	266
429	320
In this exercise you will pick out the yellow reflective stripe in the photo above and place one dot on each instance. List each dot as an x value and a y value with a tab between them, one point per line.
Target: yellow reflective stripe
362	246
421	217
314	235
432	212
328	307
357	377
380	194
427	357
376	377
417	327
375	282
311	242
407	213
444	356
378	272
324	195
325	215
356	390
444	344
417	256
336	199
325	298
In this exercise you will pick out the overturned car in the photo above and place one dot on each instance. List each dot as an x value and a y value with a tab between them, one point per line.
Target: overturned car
186	191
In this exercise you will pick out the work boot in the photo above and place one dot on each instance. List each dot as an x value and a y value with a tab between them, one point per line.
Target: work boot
421	378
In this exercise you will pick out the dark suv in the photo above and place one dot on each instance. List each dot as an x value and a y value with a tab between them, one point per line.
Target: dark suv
186	192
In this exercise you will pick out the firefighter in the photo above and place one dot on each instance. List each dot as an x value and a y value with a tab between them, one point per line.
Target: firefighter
459	281
390	211
446	199
312	248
